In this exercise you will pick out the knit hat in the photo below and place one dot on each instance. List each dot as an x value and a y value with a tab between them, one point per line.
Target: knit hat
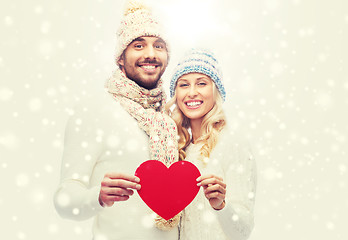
199	61
137	21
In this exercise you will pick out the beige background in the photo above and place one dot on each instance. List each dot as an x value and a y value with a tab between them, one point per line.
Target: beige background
285	68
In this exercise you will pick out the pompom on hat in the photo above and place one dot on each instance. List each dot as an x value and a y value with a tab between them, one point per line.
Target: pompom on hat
199	61
137	21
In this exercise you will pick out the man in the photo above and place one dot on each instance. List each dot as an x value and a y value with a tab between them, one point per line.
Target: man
108	138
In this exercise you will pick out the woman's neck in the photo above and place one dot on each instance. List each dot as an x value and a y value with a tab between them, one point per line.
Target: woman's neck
196	125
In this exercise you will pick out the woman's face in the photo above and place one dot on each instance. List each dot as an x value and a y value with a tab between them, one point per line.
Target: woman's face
194	95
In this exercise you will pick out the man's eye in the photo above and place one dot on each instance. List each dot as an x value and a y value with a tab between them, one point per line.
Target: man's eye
160	46
138	46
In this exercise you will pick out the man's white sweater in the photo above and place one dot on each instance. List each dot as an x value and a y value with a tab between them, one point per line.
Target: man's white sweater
102	137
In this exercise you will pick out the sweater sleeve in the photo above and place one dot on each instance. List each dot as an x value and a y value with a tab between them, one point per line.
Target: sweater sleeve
237	218
75	199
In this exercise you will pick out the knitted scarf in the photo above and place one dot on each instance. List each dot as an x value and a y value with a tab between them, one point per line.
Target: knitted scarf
147	107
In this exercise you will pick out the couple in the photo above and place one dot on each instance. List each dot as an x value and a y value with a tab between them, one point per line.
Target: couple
109	137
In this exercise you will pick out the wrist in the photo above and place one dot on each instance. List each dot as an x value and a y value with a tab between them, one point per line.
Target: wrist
222	205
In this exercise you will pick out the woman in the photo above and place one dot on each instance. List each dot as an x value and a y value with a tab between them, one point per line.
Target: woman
224	209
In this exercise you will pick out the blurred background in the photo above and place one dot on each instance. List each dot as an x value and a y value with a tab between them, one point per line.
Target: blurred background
285	68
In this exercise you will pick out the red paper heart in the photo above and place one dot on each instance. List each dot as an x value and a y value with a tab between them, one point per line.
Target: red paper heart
167	191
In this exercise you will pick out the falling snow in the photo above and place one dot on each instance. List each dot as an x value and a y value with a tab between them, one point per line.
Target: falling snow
5	94
284	67
35	104
63	200
113	141
22	180
148	220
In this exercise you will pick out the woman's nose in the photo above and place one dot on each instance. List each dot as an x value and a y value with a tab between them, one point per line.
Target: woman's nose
192	91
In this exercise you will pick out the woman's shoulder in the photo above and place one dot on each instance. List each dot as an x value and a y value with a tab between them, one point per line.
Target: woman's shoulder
232	145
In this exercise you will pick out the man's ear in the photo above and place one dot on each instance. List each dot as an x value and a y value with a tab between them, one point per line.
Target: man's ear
120	61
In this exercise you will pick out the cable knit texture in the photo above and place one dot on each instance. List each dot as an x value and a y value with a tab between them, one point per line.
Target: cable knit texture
101	137
146	107
235	164
138	21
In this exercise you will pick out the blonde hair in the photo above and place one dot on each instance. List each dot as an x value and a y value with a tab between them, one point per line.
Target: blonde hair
213	122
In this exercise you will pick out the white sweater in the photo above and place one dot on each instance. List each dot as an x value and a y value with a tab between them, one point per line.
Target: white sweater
102	137
235	164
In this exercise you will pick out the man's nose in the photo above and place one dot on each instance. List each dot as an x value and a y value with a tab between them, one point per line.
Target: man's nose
149	52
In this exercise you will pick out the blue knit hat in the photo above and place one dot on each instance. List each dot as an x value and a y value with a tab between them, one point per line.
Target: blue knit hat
199	61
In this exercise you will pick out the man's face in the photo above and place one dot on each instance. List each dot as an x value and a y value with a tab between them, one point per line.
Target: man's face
144	61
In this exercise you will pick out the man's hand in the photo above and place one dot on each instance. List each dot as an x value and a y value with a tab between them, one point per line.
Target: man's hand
117	187
214	190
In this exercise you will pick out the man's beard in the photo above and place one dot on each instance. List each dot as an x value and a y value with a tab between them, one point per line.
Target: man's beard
136	76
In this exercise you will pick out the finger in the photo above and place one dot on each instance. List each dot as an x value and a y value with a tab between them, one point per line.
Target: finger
215	195
204	177
215	188
118	191
212	181
120	183
123	176
116	198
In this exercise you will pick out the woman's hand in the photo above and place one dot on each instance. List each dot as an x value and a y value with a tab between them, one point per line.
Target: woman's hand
214	190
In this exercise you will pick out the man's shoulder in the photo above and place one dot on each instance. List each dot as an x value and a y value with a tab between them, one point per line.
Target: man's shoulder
100	108
99	102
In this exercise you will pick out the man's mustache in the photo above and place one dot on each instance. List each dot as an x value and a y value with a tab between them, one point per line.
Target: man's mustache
150	62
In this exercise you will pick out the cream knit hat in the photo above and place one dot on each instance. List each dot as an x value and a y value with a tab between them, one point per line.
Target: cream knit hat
137	21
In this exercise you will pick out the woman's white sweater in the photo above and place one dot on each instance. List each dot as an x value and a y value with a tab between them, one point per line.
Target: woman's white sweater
235	164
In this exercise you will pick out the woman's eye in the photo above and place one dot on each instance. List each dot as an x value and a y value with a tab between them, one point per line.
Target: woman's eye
202	84
183	85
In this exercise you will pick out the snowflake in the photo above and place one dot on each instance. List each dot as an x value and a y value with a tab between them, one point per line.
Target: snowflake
342	168
330	225
45	27
148	220
251	195
113	141
88	157
235	217
6	94
38	196
22	180
21	235
8	20
48	168
38	9
35	104
9	141
76	211
63	200
78	121
84	144
53	228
